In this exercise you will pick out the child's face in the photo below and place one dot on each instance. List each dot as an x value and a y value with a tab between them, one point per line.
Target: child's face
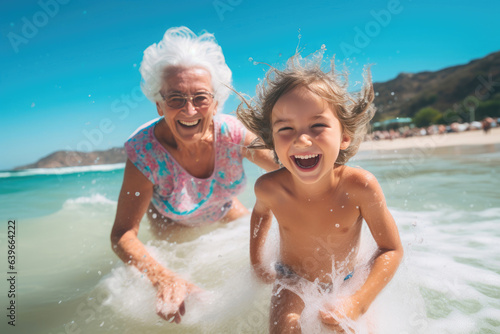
307	134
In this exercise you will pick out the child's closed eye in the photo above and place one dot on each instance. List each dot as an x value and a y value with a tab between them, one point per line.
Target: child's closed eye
285	128
318	125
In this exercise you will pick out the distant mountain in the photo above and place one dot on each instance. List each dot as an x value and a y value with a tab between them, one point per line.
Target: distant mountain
73	158
408	93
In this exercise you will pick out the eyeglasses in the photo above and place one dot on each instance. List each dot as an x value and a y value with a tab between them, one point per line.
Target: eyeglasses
199	100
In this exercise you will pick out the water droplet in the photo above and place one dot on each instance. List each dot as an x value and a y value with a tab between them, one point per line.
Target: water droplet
250	59
342	206
60	302
102	324
337	225
392	93
331	210
137	193
128	192
99	273
154	215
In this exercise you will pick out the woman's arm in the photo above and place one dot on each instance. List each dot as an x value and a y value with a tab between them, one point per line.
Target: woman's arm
260	223
133	202
262	158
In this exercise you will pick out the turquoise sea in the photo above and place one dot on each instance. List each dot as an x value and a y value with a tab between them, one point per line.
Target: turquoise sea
446	202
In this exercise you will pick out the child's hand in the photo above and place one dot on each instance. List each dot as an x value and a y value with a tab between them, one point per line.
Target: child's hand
333	315
170	298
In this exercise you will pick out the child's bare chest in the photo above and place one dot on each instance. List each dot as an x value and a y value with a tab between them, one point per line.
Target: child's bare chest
336	216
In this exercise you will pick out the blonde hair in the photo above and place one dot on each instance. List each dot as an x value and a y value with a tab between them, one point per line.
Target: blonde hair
180	47
354	111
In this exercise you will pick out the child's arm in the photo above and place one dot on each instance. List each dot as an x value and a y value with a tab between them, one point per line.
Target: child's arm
259	227
385	232
371	202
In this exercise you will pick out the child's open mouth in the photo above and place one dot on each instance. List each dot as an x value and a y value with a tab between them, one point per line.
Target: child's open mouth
307	161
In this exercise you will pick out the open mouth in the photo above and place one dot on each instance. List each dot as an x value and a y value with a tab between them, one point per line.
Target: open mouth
307	161
189	124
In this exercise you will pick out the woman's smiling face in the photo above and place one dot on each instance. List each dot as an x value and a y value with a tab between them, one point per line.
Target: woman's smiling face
307	134
188	124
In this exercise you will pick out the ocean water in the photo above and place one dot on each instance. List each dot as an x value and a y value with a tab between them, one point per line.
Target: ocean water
446	202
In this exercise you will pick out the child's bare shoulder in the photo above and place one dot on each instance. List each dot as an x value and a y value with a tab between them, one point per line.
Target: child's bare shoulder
270	183
359	179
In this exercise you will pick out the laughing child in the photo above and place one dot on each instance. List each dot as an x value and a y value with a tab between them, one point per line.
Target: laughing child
314	127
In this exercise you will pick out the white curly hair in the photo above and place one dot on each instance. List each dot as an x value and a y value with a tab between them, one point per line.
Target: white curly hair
180	47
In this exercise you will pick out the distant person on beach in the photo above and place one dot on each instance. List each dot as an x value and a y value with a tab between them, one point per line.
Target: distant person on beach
185	169
314	126
486	123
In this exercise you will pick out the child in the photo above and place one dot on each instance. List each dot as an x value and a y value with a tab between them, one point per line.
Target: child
314	126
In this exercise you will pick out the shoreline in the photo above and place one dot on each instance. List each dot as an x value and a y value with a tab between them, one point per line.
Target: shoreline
477	137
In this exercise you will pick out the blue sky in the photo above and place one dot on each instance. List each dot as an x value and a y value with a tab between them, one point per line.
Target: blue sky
70	76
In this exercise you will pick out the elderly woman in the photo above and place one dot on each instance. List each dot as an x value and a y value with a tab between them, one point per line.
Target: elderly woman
185	169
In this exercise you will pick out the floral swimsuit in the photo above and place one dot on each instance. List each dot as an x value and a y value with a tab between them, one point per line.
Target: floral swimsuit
178	195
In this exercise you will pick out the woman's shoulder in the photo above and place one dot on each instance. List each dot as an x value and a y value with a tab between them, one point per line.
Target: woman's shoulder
143	130
230	128
139	145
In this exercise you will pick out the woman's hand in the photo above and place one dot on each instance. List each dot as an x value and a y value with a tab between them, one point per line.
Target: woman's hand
170	298
335	316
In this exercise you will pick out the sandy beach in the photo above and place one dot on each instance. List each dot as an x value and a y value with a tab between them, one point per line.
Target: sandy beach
477	137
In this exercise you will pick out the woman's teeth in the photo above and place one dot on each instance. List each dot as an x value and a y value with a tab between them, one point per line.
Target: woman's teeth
193	123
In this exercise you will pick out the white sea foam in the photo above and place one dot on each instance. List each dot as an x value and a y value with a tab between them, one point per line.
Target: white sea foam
448	272
218	263
62	170
93	199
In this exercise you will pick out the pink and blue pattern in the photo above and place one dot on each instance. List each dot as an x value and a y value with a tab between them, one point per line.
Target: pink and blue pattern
183	198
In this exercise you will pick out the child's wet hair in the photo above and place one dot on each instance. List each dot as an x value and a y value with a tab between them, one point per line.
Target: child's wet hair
354	110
